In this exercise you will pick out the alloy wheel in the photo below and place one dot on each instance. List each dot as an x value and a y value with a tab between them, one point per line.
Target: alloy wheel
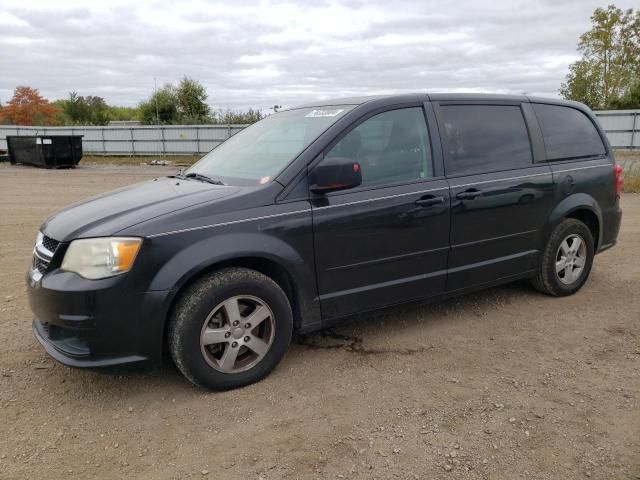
237	334
571	259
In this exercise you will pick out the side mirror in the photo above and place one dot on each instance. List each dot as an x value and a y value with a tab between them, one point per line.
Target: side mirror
333	174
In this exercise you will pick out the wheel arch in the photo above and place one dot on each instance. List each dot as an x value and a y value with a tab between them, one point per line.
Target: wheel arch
265	265
580	206
590	219
264	253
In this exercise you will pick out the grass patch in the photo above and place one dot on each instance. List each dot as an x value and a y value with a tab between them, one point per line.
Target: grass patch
627	154
631	184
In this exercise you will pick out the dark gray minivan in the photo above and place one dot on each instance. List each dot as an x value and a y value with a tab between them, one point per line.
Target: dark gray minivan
320	212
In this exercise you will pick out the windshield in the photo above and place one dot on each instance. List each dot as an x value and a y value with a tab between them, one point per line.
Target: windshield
261	151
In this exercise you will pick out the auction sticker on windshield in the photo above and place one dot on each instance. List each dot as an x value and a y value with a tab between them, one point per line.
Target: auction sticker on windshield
325	113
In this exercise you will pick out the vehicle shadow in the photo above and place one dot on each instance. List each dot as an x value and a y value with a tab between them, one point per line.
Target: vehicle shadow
352	333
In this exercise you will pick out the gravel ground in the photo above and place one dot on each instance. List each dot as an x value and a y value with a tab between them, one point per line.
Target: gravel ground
502	384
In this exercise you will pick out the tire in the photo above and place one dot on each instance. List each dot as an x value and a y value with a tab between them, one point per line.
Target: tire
210	324
564	279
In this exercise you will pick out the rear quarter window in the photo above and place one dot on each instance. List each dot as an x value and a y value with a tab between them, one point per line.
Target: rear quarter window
484	138
567	132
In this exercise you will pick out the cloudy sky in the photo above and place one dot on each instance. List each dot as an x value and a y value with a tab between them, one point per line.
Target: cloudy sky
261	53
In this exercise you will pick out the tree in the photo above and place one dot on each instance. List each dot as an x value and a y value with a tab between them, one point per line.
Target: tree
583	84
610	60
28	107
99	110
191	97
89	110
185	104
233	117
162	107
123	113
74	108
630	100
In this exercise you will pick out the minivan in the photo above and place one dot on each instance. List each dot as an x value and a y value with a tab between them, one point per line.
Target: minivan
318	213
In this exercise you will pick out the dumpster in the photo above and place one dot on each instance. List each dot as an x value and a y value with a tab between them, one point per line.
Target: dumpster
47	151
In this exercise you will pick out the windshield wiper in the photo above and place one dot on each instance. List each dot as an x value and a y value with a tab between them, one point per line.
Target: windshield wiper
202	178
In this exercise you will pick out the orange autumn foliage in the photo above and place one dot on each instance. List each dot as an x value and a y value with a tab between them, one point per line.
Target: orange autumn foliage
28	107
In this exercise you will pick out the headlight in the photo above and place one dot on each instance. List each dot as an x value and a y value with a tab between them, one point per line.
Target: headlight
95	258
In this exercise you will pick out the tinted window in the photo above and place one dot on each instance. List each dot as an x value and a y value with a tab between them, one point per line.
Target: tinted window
390	147
485	138
567	132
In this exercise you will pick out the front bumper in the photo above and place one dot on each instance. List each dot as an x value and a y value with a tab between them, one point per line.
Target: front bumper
73	351
96	323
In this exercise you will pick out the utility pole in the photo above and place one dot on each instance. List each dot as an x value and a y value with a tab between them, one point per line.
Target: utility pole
155	96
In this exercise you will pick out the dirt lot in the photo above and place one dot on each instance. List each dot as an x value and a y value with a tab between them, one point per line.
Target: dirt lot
502	384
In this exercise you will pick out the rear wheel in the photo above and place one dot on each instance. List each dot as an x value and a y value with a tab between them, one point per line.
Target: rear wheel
566	260
230	329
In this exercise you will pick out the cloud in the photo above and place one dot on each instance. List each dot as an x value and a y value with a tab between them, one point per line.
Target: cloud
264	53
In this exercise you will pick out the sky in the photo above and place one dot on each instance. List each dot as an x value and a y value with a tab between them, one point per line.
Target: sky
258	54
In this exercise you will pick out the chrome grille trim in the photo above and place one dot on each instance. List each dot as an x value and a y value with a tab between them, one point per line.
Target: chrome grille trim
43	252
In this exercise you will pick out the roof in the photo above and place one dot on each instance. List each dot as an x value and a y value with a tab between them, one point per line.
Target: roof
408	97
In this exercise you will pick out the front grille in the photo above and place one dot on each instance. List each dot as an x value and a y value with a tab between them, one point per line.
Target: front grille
40	265
50	244
43	253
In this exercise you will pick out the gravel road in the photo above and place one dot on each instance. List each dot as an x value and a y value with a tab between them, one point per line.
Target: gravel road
501	384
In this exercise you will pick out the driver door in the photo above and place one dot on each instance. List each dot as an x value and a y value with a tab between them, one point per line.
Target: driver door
386	241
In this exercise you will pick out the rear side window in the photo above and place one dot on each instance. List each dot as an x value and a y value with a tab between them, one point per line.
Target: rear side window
485	138
567	132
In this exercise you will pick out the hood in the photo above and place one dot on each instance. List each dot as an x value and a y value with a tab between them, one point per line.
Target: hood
109	213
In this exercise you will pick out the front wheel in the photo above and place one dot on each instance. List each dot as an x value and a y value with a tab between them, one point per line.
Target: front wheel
230	329
566	260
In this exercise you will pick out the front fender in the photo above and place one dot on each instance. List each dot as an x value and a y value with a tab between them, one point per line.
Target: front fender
201	254
208	251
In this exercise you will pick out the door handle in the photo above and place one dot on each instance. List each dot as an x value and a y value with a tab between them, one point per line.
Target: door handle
469	194
430	200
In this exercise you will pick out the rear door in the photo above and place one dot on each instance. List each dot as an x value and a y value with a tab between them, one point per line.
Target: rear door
386	241
500	198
